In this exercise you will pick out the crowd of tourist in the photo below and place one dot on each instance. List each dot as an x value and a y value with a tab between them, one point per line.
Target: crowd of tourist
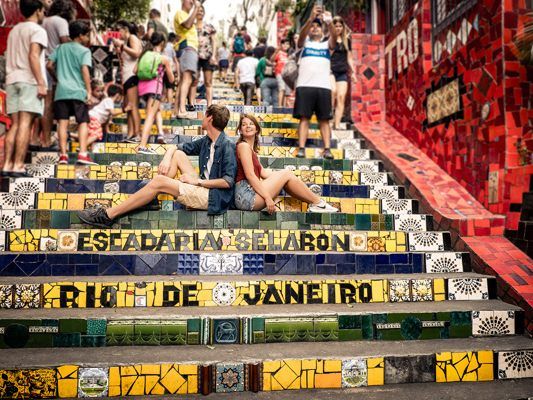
49	79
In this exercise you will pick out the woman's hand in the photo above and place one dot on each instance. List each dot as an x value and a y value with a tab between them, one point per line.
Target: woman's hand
164	167
270	206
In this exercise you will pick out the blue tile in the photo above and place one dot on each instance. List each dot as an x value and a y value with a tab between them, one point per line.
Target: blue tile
270	258
286	264
320	259
399	258
384	269
11	269
418	262
383	259
346	269
63	270
86	269
403	269
326	269
306	264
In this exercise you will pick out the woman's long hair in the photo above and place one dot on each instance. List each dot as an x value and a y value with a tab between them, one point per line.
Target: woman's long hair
345	31
257	133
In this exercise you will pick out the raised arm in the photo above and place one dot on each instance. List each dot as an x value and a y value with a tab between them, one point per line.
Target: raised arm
189	22
317	10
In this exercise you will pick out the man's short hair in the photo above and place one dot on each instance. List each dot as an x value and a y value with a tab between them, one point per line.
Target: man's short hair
29	7
249	53
262	40
154	12
243	28
172	36
220	116
78	28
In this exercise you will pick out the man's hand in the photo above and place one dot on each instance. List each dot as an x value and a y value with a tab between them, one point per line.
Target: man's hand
41	90
213	61
191	180
89	100
197	4
316	12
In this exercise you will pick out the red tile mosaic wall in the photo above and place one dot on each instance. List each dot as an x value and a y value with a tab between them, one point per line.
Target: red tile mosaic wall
284	21
368	93
467	107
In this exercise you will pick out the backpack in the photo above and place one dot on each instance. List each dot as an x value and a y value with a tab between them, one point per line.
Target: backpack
148	66
290	73
238	45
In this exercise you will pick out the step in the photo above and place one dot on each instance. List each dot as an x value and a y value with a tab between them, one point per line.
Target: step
262	367
130	148
43	162
214	291
81	175
257	263
74	201
223	240
264	324
64	219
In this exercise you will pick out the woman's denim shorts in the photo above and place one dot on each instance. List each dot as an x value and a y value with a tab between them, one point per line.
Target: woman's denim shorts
244	196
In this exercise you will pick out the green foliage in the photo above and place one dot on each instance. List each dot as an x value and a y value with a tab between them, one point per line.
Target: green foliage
283	5
108	12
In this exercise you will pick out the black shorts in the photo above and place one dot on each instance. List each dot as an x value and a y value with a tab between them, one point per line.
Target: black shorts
223	64
131	83
204	65
340	76
148	96
312	100
167	83
64	109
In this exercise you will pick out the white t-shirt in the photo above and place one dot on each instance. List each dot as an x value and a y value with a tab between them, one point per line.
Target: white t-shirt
103	110
19	41
56	28
223	53
315	65
247	67
209	165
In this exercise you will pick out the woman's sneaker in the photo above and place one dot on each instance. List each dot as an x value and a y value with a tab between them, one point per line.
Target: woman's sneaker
95	217
85	160
327	154
322	207
160	139
63	159
134	140
301	152
146	150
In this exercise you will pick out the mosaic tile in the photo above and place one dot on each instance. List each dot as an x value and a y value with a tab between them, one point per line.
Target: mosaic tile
397	206
493	323
229	378
67	240
3	241
422	289
465	366
515	364
10	219
374	178
225	331
426	241
354	373
67	381
444	262
20	200
399	290
93	382
410	223
358	241
28	383
221	264
414	369
224	294
6	296
294	374
468	289
366	166
27	296
384	192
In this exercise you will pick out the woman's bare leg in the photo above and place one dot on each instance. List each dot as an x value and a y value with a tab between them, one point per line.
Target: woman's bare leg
342	89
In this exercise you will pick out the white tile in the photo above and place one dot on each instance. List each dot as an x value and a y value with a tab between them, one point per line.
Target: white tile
17	201
26	185
93	382
354	373
221	264
397	206
357	154
44	158
515	364
437	263
3	241
426	241
468	289
358	241
67	240
350	144
363	164
422	289
10	219
399	290
374	178
493	323
410	223
41	170
384	192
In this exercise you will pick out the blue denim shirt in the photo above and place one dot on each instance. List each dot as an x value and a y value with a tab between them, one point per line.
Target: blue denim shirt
224	167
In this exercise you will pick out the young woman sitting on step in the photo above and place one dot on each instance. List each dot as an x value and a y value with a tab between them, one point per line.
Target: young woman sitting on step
256	187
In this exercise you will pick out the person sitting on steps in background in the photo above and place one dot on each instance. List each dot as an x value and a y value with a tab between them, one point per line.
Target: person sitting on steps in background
313	87
256	187
212	190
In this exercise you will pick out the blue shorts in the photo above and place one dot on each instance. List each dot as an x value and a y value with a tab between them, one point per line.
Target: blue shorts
244	196
340	76
223	64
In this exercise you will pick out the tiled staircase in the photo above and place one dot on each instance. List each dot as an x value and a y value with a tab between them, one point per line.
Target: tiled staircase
233	302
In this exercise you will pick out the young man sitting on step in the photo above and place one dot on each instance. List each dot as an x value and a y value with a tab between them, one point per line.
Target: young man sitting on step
212	190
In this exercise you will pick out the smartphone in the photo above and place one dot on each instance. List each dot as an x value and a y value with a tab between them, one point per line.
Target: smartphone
319	3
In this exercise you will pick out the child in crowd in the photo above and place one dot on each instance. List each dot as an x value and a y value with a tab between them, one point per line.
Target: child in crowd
70	62
223	61
26	83
97	92
151	69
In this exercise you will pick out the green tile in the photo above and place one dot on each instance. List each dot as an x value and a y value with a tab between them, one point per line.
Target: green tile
258	324
362	222
250	220
67	340
40	340
367	327
30	219
203	221
186	220
173	333
350	334
167	224
147	333
219	221
234	219
96	326
390	334
193	325
350	322
460	331
120	333
73	326
461	318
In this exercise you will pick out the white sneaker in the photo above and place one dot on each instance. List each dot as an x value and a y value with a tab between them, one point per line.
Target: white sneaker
325	208
146	150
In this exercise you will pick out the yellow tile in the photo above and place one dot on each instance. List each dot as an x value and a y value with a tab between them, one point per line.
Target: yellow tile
440	375
444	356
376	371
153	387
328	381
485	356
192	384
188	369
150	369
271	366
486	372
332	366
